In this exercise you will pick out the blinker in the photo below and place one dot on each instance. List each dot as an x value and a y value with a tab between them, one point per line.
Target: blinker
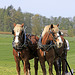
13	31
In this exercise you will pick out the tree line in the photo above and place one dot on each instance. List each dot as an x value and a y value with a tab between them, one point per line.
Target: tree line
34	22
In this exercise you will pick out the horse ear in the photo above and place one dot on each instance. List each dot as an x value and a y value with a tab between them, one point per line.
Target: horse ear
51	26
22	24
57	25
14	24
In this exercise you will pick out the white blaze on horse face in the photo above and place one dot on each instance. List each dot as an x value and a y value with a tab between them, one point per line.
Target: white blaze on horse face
59	41
17	38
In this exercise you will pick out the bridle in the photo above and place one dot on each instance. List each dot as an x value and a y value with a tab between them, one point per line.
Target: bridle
53	36
23	37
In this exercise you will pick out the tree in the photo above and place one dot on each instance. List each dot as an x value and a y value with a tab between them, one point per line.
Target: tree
27	21
34	23
19	9
70	31
18	17
36	27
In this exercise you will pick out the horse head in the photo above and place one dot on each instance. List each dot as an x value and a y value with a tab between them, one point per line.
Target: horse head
51	31
18	33
54	28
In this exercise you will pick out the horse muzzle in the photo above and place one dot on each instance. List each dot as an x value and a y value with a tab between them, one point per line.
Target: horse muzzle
59	45
16	46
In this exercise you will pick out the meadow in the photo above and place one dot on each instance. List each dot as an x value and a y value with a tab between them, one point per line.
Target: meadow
7	63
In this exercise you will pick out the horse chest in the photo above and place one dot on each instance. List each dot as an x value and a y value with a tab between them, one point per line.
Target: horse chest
21	54
24	54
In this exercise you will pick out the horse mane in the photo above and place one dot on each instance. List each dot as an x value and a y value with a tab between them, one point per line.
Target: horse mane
46	29
18	27
47	37
32	36
51	27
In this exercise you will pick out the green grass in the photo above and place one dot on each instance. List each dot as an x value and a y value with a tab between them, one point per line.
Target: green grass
7	63
71	53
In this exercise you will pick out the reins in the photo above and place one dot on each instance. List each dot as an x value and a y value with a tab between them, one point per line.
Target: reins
55	48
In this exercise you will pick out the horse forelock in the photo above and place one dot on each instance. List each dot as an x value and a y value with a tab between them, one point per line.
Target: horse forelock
18	28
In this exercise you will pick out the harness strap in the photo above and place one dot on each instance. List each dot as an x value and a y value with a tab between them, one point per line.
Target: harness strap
63	59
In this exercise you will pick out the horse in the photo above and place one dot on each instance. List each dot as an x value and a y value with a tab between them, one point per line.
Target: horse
24	48
51	48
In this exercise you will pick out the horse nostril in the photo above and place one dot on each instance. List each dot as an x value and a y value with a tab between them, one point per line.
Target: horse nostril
59	44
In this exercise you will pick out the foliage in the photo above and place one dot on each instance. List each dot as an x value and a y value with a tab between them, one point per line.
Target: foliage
70	31
34	23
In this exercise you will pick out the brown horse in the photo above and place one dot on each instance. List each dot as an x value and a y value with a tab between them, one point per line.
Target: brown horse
50	51
24	48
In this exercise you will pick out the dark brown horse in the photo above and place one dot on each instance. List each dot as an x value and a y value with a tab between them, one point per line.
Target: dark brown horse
50	51
24	48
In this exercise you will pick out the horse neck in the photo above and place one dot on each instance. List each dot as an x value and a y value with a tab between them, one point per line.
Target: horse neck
34	39
47	37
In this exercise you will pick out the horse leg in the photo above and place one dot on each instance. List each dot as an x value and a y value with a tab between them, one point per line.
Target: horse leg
36	65
63	67
17	65
56	68
26	68
43	67
50	68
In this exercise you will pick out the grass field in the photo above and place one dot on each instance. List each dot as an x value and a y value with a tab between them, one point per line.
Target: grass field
7	63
